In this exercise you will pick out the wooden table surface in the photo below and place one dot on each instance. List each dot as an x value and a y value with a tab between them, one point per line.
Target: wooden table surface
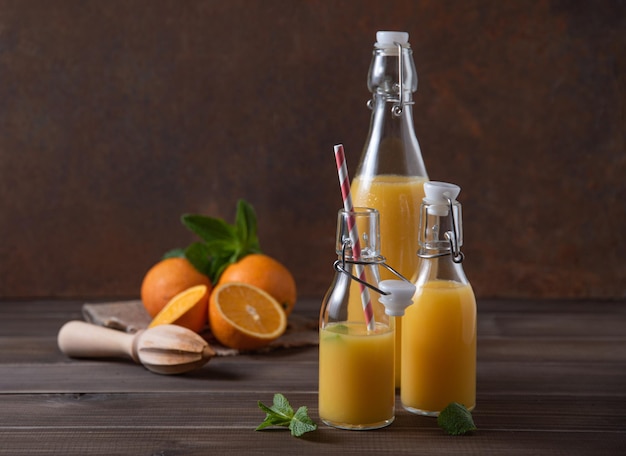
551	380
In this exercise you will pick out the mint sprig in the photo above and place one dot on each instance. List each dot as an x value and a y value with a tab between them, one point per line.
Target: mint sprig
455	419
281	414
221	243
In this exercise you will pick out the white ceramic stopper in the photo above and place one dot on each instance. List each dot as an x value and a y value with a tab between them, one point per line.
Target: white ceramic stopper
399	298
385	39
437	195
390	37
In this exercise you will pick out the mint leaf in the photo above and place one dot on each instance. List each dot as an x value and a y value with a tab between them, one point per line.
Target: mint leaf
340	329
174	253
218	264
301	423
281	414
198	255
221	243
281	405
210	229
273	417
246	225
455	419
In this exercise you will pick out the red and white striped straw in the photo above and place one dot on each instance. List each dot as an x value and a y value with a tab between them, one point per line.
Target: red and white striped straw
344	183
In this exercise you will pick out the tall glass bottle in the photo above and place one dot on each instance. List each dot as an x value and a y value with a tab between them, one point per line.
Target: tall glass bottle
439	337
391	172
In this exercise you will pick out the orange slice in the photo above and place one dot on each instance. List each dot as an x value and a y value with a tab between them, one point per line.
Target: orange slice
188	309
245	317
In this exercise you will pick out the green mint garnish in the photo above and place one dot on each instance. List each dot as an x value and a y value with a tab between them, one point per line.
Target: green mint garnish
340	329
221	243
281	414
455	419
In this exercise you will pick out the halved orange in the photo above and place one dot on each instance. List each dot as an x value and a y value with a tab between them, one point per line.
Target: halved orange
245	317
187	309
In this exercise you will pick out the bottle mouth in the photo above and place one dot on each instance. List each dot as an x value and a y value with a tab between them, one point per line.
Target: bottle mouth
360	226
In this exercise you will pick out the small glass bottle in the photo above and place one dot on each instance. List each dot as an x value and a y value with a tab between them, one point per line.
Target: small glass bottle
356	347
391	172
439	333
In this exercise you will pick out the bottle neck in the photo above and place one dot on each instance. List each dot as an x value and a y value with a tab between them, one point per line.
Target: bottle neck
391	70
391	146
440	241
441	228
358	234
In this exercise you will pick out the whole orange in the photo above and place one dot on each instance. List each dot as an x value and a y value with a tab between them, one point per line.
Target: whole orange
266	273
165	280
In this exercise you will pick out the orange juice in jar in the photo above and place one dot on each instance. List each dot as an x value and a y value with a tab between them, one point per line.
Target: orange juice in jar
356	353
356	379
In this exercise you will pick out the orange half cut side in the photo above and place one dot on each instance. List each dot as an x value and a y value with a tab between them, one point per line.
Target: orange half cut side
187	309
245	317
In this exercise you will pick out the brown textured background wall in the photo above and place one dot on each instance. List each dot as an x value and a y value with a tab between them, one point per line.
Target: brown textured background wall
118	116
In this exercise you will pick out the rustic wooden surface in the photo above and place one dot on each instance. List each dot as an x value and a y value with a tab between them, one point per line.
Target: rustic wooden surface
551	380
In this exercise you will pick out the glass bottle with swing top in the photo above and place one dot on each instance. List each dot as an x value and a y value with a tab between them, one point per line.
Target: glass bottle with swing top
439	332
356	348
391	172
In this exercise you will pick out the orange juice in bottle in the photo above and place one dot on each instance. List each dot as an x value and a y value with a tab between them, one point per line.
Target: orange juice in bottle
439	337
439	370
391	171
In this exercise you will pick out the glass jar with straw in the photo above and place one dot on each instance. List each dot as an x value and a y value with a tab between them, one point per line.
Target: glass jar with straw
356	360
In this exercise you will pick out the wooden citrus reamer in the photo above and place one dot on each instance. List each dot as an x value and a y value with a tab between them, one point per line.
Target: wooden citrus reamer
164	349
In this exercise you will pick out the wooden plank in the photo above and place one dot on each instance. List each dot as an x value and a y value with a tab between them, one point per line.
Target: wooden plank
539	349
540	378
291	373
221	374
496	318
220	440
559	306
552	324
16	350
198	409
